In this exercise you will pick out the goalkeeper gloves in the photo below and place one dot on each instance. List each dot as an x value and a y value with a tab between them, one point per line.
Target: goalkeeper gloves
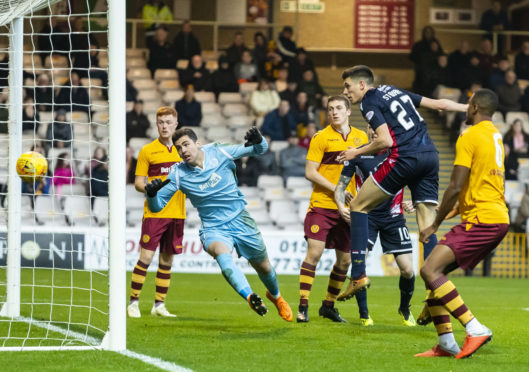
253	137
152	188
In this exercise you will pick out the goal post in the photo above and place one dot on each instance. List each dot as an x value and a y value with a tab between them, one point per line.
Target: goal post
68	305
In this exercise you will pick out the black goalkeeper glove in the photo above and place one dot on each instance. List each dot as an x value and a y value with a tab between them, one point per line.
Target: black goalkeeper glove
152	188
253	137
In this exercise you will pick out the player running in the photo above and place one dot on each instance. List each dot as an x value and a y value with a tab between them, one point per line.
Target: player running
164	228
323	226
207	177
386	220
412	161
478	182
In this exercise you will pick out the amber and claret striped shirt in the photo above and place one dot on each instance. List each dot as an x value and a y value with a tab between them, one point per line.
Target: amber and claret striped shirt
324	147
154	161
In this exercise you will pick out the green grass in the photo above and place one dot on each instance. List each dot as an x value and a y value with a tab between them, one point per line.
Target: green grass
216	331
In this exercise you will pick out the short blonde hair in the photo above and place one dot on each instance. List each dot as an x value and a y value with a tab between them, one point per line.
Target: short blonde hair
166	110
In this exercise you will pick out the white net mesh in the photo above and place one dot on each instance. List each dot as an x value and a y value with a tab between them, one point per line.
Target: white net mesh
64	282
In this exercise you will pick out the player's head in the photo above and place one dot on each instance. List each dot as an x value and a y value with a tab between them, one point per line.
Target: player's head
338	110
166	121
357	81
481	106
187	145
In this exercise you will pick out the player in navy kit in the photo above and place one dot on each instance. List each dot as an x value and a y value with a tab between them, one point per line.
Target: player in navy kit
412	161
386	221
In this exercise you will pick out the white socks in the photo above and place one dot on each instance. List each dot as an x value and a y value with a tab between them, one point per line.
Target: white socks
474	327
448	343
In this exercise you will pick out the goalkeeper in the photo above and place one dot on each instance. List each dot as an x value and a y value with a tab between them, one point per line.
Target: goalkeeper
207	177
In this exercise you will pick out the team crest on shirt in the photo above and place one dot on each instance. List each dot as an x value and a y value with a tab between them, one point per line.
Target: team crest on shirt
314	229
369	115
146	238
357	142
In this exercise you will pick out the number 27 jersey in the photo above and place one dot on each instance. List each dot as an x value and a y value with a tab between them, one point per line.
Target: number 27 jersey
395	107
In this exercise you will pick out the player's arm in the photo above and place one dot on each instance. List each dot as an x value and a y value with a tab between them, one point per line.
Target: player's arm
312	174
255	145
459	175
443	104
139	183
159	192
340	198
381	141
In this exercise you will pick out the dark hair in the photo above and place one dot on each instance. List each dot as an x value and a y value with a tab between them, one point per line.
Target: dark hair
486	100
510	132
288	29
342	98
61	160
179	133
359	72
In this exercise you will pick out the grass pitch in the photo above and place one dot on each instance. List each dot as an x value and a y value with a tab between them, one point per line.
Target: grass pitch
216	331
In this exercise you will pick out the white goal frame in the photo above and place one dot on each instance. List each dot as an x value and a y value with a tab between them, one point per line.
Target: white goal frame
115	337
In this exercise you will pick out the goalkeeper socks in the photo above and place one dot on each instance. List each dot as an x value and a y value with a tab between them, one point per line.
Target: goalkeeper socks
361	300
427	248
358	244
163	279
270	282
445	291
336	279
406	286
138	278
234	275
306	278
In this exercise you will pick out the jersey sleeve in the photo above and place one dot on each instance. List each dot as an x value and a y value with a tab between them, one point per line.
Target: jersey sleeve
349	168
415	98
158	202
316	148
239	151
142	166
464	151
372	112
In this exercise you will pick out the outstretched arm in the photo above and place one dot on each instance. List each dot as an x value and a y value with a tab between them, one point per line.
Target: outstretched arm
255	145
443	104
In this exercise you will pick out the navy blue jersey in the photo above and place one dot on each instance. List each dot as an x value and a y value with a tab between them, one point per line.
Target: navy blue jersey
362	167
397	108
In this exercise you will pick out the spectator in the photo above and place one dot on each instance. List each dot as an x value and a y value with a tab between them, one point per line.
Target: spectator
189	109
427	63
87	65
131	92
497	76
525	100
81	40
250	168
30	116
290	93
153	12
130	166
197	75
63	173
264	99
459	121
286	46
521	62
223	79
472	73
53	37
440	76
458	60
279	122
292	158
320	112
4	71
137	122
281	84
523	214
302	112
246	70
234	52
72	96
186	45
509	95
273	64
487	61
98	173
260	51
59	133
310	85
311	131
419	49
161	52
495	19
301	63
516	141
43	93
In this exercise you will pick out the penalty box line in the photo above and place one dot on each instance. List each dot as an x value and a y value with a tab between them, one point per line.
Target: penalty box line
95	342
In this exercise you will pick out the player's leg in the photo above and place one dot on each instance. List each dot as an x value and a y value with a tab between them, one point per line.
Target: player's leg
336	277
406	286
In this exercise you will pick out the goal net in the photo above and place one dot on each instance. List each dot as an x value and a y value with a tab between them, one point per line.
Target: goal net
55	291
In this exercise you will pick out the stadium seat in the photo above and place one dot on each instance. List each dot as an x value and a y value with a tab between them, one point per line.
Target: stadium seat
232	109
287	221
300	193
192	218
250	191
136	62
303	207
277	146
48	211
56	61
171	96
148	95
497	117
136	143
165	73
255	204
32	60
523	84
247	87
91	82
151	107
204	97
523	116
135	53
100	117
226	97
212	66
212	120
144	84
298	182
100	131
168	84
182	64
240	121
274	193
210	108
77	189
138	73
134	216
238	135
523	173
278	207
261	217
99	105
77	117
219	134
452	94
103	61
267	181
210	55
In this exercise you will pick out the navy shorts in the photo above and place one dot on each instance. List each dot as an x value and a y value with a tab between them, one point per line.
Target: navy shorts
420	172
394	235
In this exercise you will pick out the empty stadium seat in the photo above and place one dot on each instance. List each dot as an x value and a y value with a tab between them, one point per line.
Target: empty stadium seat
182	64
212	66
452	94
226	97
247	87
261	217
48	211
99	105
255	204
77	117
136	62
168	84
136	143
136	53
240	121
148	95
134	216
210	108
219	134
287	221
274	193
100	117
267	181
231	109
212	120
165	73
151	107
298	182
171	96
205	97
73	189
278	207
303	207
55	61
277	146
144	84
138	73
